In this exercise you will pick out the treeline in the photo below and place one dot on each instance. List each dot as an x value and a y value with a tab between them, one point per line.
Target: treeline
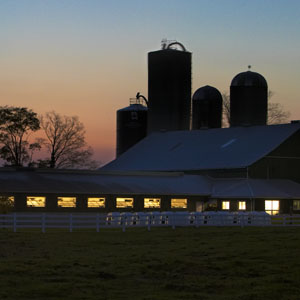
62	142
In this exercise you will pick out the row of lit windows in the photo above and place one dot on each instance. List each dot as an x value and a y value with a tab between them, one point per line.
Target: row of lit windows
271	206
226	205
33	201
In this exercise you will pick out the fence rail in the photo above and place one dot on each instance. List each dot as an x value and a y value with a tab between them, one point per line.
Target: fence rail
71	222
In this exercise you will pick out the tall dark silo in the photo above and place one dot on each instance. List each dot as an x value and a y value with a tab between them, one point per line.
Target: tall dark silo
207	108
131	125
248	99
169	89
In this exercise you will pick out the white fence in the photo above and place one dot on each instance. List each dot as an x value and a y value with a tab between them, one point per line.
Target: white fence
70	222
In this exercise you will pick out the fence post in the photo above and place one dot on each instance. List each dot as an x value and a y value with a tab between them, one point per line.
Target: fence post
97	223
71	222
173	221
15	222
242	221
149	222
43	222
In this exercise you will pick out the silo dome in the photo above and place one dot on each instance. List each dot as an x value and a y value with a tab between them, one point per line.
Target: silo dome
249	78
207	108
248	99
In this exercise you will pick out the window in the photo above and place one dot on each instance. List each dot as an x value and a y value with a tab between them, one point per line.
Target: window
242	205
124	202
225	205
152	203
296	205
6	203
66	201
33	201
96	202
178	203
272	207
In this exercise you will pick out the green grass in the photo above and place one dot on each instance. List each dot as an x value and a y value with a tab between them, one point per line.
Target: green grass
185	263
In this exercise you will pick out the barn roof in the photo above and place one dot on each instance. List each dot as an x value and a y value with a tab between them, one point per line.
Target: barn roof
33	182
255	188
76	182
222	148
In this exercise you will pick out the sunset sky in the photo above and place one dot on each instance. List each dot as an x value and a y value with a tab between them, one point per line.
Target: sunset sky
87	58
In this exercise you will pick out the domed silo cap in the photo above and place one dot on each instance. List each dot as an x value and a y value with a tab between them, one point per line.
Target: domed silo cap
206	93
249	78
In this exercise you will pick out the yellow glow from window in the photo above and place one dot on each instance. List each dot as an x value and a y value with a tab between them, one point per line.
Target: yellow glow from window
242	205
10	200
33	201
225	205
96	202
151	202
178	203
66	201
272	207
296	204
124	202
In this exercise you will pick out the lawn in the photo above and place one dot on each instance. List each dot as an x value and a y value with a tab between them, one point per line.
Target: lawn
185	263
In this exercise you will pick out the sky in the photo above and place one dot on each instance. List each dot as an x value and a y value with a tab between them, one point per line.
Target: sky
88	57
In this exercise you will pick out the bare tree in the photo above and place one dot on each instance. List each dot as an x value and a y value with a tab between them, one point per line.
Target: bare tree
276	112
16	126
65	142
226	109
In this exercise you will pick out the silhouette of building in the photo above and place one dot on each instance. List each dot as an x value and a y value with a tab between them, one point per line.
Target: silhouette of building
249	166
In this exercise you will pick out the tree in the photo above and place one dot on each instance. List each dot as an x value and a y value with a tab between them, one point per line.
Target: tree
16	125
65	142
226	109
276	112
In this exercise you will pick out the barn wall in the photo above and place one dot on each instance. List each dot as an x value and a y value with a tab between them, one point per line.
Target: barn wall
110	203
281	163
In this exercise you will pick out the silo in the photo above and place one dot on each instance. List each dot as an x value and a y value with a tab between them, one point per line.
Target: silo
248	99
131	125
169	89
207	108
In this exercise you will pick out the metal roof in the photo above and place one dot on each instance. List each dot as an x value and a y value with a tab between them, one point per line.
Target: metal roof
207	92
97	183
255	188
221	148
249	79
132	183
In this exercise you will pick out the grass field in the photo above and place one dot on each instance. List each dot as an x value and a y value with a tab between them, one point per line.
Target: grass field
185	263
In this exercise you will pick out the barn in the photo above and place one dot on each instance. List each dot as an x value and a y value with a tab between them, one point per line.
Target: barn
251	168
174	155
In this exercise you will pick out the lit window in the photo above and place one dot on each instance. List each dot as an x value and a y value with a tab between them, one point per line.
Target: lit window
66	201
225	205
152	203
6	203
242	205
178	203
36	201
272	207
296	205
124	202
96	202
